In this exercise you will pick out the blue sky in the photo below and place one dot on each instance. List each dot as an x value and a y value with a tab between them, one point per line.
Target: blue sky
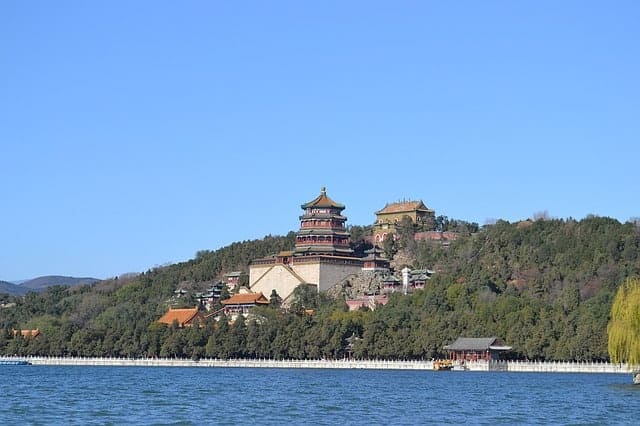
133	134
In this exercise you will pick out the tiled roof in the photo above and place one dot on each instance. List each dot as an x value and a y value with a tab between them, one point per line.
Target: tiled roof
182	316
246	299
474	344
403	206
28	333
322	200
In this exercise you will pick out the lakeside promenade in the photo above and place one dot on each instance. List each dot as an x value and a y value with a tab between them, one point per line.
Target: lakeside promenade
511	366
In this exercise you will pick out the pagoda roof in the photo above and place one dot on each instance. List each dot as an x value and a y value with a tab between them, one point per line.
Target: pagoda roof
374	257
322	249
404	206
322	200
323	231
308	216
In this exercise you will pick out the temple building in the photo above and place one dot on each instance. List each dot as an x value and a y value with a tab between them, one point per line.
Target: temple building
322	229
476	349
241	304
375	261
186	317
370	301
392	214
321	257
235	278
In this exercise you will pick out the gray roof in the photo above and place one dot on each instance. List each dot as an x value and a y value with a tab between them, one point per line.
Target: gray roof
474	344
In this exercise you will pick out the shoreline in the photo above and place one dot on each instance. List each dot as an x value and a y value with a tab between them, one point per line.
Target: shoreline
499	366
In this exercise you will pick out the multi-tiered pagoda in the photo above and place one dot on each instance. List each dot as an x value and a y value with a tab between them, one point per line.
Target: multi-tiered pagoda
321	258
322	230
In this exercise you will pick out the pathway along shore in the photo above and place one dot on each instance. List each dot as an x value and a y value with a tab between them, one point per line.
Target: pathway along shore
515	366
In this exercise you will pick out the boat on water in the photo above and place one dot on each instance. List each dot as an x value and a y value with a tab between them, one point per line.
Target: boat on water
443	365
460	367
14	362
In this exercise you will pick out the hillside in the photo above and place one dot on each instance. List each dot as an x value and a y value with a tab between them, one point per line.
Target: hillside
12	289
545	287
40	283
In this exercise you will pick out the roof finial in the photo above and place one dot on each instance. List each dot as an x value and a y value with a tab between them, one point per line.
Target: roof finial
323	190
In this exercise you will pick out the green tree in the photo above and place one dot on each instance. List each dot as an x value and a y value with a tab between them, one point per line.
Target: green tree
275	300
624	326
389	246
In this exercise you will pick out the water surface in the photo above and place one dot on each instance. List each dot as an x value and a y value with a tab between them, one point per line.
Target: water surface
139	395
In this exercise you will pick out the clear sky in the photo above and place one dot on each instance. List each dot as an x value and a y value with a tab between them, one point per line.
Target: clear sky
135	133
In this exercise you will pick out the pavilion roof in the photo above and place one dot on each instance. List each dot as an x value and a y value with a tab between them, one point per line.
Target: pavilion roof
322	200
182	316
404	206
246	299
477	344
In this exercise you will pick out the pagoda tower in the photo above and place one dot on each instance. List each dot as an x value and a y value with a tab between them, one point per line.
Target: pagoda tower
322	229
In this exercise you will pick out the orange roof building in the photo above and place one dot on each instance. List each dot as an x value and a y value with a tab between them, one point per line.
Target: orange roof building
186	317
27	334
391	214
242	303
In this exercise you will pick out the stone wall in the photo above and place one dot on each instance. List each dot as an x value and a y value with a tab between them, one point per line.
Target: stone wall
519	366
278	277
285	278
331	274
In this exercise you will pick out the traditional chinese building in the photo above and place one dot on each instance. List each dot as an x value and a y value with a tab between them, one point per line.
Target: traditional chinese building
412	280
375	261
186	317
370	302
321	256
240	304
475	349
209	297
234	278
392	214
322	228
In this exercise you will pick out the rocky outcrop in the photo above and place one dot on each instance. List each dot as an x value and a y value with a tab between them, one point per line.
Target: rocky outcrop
356	285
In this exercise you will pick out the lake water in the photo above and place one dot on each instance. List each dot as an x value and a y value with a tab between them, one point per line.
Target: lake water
135	395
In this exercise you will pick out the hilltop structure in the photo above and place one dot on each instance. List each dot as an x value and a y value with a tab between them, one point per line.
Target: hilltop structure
322	256
388	218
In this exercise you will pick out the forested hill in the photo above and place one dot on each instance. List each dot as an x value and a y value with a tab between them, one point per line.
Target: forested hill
544	286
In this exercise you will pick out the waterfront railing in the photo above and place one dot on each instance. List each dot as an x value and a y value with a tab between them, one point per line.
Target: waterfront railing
511	366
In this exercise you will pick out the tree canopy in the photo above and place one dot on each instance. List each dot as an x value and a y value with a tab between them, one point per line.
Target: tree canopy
624	327
545	287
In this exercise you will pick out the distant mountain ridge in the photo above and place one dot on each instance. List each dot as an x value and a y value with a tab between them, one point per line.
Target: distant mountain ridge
12	289
41	283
